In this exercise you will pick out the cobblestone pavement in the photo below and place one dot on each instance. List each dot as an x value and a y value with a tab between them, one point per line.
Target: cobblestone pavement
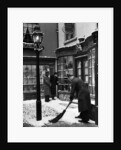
49	111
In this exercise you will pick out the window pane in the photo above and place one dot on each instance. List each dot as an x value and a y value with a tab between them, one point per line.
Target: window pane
90	80
90	63
85	63
79	77
90	71
41	67
61	74
70	65
79	72
65	73
93	62
61	60
90	89
69	62
86	71
34	87
25	88
65	60
70	59
24	70
62	67
93	77
93	89
59	67
79	64
28	70
65	66
89	56
93	52
69	30
86	78
29	80
34	80
33	68
30	87
41	80
70	71
25	80
61	80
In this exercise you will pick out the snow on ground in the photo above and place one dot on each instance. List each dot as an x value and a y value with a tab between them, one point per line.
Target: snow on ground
49	111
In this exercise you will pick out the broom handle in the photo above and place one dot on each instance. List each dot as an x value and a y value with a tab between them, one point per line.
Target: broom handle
68	105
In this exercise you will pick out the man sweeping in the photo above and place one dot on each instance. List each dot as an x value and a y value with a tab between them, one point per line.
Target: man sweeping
82	93
84	103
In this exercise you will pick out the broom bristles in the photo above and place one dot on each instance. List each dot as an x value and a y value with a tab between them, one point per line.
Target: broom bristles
57	117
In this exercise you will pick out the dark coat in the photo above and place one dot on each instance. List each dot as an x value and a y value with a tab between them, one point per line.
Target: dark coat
47	86
83	94
54	82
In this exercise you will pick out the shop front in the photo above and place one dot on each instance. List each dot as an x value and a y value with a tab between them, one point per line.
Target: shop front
85	69
80	63
29	75
65	65
47	57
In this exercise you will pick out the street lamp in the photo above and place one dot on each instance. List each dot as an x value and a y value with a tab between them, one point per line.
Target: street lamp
37	37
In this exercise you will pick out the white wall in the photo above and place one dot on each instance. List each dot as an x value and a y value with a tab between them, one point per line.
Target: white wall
81	30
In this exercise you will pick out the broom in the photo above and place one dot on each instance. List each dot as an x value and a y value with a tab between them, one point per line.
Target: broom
60	115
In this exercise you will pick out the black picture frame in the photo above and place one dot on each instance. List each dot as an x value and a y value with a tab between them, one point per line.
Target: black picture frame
4	47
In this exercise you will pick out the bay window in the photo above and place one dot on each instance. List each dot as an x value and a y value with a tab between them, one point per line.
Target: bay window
65	66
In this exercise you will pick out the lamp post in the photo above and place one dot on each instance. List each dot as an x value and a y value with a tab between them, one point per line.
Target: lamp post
37	37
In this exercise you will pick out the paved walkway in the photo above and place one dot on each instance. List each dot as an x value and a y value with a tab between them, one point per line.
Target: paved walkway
50	110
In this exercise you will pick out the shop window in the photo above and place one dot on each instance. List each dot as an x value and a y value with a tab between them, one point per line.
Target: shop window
91	60
29	78
82	69
69	31
86	71
85	66
79	72
65	66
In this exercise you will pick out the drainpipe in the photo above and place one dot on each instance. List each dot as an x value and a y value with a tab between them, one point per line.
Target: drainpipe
57	35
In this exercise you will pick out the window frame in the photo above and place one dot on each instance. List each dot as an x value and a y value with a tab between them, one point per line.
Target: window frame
72	34
62	86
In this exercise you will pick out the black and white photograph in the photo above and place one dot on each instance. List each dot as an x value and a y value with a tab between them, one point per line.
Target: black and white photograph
60	74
